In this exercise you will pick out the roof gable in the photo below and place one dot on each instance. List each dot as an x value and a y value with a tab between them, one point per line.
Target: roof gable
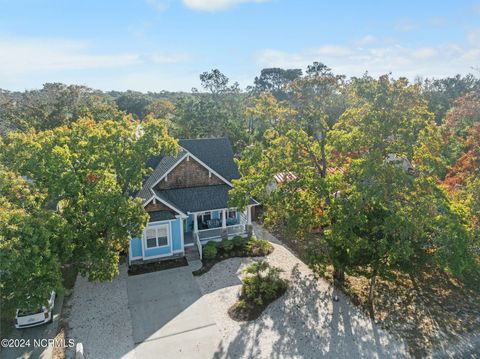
215	153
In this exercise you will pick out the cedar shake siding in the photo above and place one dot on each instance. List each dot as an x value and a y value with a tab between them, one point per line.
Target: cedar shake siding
158	206
188	173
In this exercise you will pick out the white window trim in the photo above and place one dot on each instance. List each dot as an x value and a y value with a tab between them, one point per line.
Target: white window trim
156	227
205	213
232	210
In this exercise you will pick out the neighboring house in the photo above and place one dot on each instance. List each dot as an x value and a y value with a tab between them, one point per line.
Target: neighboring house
186	197
400	161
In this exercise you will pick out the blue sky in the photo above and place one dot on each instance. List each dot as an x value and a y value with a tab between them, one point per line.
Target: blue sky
153	45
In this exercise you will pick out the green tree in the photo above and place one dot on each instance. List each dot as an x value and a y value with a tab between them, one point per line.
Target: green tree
380	205
216	113
134	103
265	113
319	98
54	105
295	200
33	243
389	218
90	171
276	81
442	93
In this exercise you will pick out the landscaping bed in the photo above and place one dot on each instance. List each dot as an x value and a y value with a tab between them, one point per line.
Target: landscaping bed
136	269
261	287
214	252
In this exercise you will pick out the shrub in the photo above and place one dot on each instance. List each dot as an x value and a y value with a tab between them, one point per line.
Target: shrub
211	244
226	245
239	242
264	283
258	247
209	251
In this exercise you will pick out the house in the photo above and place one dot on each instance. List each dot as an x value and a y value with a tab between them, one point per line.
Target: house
403	162
186	197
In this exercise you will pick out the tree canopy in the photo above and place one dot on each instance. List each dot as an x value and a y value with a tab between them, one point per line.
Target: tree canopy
87	172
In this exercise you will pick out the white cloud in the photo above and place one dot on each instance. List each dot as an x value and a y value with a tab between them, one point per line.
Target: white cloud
424	53
216	5
20	56
442	60
366	40
332	50
476	9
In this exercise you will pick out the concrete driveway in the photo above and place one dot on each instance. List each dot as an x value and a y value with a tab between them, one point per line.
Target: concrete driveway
170	318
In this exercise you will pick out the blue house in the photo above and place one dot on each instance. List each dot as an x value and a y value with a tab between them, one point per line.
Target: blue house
186	197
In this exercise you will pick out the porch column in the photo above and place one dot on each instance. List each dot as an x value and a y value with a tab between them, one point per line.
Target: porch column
249	215
224	224
195	223
224	218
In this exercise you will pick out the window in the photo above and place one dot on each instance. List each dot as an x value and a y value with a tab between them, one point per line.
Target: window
206	216
156	236
232	213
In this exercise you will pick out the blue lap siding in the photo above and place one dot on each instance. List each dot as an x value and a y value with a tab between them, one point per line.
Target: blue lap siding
138	248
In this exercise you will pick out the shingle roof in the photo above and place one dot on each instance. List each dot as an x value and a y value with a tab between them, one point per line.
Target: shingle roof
163	166
216	153
194	199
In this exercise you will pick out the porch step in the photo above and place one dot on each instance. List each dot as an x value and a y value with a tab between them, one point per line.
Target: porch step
191	253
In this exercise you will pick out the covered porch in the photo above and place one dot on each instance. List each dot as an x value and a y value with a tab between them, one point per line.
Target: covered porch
216	225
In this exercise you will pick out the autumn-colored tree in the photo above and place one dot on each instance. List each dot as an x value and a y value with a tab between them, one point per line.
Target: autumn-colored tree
382	209
161	108
90	170
266	113
34	241
392	215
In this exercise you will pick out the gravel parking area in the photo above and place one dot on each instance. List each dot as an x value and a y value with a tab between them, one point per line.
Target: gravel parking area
100	318
304	323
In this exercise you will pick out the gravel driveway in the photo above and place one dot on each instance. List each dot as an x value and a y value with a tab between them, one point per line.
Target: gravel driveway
100	318
304	323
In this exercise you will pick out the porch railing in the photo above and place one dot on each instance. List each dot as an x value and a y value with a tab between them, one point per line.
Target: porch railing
243	219
199	245
210	233
236	229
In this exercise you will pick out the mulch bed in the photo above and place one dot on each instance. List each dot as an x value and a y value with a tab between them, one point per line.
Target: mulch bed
251	310
208	264
136	269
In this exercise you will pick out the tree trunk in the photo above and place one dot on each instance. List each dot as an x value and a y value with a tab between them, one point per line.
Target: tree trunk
339	275
370	296
324	157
